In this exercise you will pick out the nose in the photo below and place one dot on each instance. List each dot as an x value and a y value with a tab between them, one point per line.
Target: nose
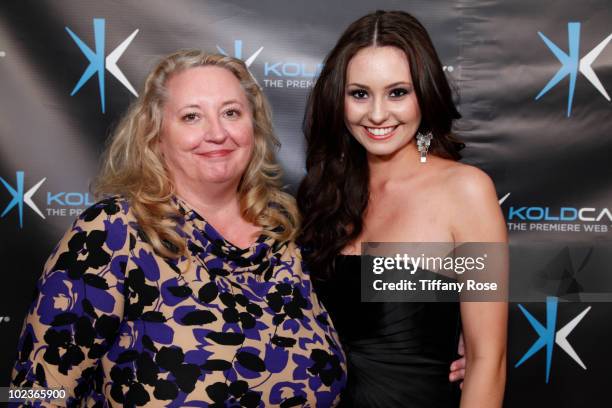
378	113
214	131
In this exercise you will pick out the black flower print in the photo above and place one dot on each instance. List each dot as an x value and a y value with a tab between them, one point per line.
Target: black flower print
117	325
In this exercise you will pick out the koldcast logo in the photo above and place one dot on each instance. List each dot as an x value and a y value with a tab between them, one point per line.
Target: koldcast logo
59	203
98	62
280	73
571	64
549	335
546	218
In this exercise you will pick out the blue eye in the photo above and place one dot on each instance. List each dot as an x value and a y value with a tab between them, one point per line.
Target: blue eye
359	93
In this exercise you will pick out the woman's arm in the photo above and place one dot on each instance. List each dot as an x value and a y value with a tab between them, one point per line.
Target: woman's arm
478	218
484	328
78	307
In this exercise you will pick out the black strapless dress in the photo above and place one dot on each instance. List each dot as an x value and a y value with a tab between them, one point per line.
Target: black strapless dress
398	354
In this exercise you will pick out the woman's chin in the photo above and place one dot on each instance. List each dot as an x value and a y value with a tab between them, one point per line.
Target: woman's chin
381	151
220	179
222	173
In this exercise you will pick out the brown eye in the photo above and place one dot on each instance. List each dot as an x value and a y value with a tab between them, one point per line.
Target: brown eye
190	117
399	92
232	113
359	94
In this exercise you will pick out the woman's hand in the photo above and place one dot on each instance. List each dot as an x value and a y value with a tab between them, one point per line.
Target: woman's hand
457	367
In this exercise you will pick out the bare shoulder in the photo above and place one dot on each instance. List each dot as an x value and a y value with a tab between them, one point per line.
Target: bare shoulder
468	184
475	214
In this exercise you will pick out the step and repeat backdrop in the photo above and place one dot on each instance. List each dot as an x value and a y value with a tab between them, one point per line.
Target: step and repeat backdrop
533	83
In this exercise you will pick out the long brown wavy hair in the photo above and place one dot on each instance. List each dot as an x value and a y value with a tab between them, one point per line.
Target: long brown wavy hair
334	195
134	168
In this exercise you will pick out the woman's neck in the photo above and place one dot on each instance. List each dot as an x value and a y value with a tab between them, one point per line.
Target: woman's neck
399	165
216	202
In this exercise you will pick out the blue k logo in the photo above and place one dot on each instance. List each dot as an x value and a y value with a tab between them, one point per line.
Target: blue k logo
549	335
20	198
571	64
97	61
238	52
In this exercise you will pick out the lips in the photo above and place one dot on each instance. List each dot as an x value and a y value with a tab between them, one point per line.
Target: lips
380	133
216	153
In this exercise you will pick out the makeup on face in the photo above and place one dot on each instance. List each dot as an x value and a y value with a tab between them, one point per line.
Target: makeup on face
381	108
207	132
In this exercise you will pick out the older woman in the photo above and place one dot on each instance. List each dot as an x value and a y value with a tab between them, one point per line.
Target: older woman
183	286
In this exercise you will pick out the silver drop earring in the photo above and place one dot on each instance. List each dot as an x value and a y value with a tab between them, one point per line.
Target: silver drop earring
423	142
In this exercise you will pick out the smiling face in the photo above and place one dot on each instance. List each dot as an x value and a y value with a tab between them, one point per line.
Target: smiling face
207	128
380	106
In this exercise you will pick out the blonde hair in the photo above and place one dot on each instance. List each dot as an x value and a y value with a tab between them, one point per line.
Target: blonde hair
134	168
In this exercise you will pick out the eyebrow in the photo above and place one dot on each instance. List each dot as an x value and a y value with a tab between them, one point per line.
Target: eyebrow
232	101
225	103
189	106
393	85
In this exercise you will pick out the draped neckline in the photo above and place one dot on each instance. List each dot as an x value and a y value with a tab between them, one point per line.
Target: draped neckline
202	234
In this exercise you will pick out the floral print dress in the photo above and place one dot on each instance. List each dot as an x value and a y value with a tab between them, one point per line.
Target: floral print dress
117	325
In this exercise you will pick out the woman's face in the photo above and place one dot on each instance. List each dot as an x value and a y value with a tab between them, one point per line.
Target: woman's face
380	107
207	128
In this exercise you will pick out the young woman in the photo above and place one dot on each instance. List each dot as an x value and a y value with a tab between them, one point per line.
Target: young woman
380	102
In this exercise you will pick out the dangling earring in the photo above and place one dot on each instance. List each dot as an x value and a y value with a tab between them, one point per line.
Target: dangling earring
423	142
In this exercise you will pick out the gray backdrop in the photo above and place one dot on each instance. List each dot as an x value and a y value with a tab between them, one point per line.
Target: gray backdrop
550	165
